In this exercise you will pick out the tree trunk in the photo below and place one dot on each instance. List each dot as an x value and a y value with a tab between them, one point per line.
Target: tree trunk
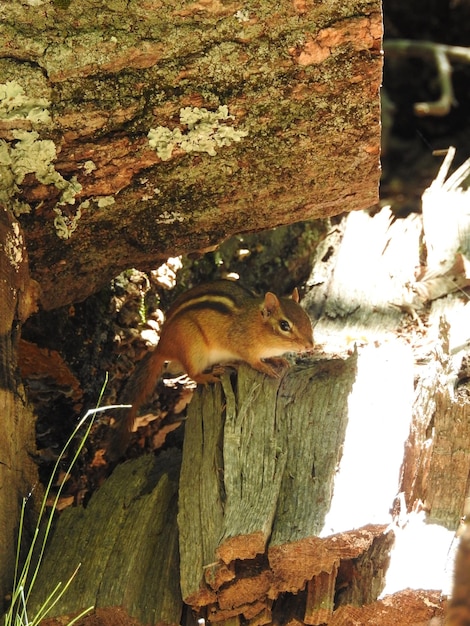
134	132
18	474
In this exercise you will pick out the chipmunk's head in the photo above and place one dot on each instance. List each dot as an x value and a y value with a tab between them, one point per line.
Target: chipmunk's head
291	328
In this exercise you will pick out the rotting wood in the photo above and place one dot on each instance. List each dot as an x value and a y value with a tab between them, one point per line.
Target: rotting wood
406	608
301	416
127	543
18	473
36	363
436	466
261	618
320	597
245	590
296	563
437	459
361	580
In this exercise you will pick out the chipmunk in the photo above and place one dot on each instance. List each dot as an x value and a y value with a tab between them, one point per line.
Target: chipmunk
215	323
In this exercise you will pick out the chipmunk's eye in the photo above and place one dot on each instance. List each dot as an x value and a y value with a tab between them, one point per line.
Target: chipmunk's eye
284	326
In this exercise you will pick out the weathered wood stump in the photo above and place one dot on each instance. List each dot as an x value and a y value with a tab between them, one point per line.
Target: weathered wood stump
126	541
256	482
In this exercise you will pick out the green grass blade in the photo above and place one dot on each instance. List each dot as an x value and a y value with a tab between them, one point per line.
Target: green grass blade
17	614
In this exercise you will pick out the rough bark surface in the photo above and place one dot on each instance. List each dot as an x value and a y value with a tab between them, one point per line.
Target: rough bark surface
17	471
276	99
245	495
126	541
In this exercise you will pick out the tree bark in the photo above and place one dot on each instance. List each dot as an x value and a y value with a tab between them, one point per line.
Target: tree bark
18	474
126	541
164	129
251	494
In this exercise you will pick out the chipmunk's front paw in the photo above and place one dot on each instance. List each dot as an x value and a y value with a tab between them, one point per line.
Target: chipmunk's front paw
273	367
278	362
207	378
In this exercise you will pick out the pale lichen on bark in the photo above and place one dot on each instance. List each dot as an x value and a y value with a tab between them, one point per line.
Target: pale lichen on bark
205	131
27	154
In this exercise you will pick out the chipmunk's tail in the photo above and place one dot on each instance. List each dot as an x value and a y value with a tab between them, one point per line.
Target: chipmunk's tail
137	391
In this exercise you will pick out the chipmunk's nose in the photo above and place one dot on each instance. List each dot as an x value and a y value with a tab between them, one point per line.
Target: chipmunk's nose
308	346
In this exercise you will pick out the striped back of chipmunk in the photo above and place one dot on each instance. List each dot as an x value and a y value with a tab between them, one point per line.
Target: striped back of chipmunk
223	296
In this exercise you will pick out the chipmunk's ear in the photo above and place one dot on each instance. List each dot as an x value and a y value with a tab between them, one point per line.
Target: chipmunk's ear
295	295
271	303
